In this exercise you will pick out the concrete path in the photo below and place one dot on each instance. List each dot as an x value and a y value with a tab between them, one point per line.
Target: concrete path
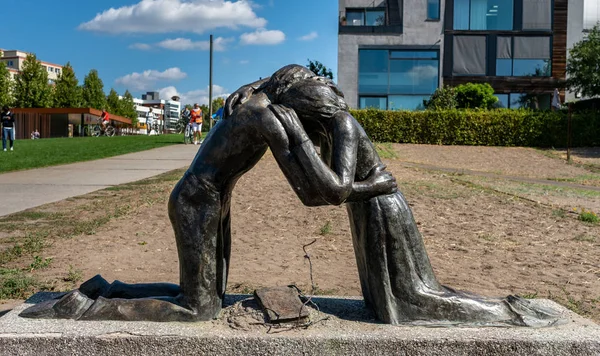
27	189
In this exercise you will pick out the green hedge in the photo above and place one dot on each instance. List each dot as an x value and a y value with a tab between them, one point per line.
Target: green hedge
501	127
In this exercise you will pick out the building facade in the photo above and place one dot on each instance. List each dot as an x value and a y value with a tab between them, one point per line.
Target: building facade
393	54
165	111
519	47
389	52
14	60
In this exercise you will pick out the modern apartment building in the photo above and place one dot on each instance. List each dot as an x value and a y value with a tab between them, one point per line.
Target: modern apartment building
519	47
389	52
393	54
14	62
165	111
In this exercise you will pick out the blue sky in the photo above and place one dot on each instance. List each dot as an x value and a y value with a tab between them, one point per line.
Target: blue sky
162	45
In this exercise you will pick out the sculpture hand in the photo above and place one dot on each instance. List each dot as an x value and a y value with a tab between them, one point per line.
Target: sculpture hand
291	123
237	98
381	181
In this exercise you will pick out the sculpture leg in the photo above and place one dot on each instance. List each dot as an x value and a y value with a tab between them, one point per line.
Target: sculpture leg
195	210
398	281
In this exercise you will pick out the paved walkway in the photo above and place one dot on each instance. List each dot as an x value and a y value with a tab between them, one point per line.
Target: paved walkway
27	189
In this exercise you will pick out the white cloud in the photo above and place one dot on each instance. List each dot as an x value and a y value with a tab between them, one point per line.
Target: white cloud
262	37
148	78
423	72
199	96
140	46
166	16
309	37
244	61
185	44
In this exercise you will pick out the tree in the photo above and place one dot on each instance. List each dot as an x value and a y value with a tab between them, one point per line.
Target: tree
127	108
67	93
6	86
31	85
583	65
442	99
217	104
113	104
93	91
472	96
319	69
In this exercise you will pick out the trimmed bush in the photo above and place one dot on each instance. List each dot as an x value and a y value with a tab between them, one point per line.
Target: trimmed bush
502	127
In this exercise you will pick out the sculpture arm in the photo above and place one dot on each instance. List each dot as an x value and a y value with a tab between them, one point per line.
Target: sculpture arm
334	184
241	95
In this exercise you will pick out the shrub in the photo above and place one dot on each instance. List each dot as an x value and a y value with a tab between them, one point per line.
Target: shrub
501	127
473	96
443	98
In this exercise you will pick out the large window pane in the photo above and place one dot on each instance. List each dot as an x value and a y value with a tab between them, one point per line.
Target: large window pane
531	67
373	102
504	67
373	71
483	14
591	13
419	76
433	9
413	54
355	18
407	102
530	101
502	100
461	14
537	14
375	17
469	55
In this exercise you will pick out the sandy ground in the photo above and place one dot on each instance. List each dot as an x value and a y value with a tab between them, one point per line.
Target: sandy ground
490	236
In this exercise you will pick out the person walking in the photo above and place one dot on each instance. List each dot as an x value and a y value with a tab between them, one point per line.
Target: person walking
149	121
197	124
8	127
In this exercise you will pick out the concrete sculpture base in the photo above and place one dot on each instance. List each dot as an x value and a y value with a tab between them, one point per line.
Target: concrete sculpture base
342	327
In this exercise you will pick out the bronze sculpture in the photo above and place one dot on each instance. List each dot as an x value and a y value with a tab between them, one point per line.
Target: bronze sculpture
290	113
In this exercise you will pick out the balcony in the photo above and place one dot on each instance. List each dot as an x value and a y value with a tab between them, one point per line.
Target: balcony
367	21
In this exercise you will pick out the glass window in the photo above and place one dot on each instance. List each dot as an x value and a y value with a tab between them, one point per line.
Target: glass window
483	14
537	14
523	56
502	101
355	18
413	76
375	18
373	102
531	67
461	14
469	55
413	54
433	9
407	102
373	71
504	67
530	101
591	13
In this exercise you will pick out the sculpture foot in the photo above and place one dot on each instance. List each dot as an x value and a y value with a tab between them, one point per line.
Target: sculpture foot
451	307
71	306
95	287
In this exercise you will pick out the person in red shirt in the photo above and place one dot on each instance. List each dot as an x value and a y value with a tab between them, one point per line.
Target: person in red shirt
197	123
105	119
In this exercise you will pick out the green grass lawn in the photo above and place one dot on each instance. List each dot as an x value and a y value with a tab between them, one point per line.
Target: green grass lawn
53	151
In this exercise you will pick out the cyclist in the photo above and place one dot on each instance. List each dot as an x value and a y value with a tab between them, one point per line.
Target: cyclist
105	117
197	123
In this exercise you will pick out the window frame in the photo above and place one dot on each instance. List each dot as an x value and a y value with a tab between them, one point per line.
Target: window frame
415	49
513	16
439	11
